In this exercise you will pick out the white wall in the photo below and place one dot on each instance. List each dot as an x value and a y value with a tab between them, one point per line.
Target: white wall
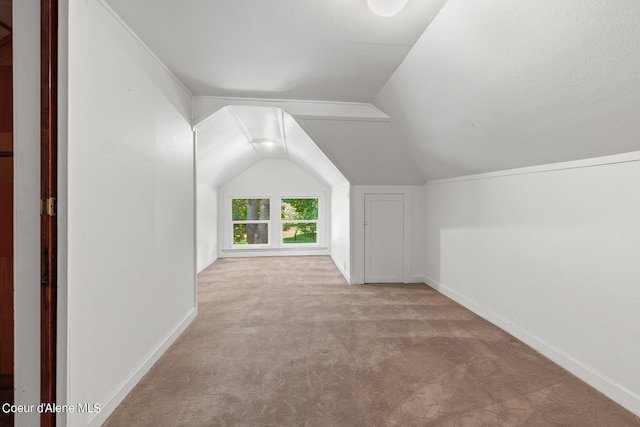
341	228
131	248
26	122
413	230
207	234
273	177
550	255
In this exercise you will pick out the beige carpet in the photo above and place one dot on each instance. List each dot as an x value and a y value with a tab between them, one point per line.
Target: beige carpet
286	342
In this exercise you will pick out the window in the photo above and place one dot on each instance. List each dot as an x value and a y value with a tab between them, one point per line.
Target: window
250	218
251	224
299	220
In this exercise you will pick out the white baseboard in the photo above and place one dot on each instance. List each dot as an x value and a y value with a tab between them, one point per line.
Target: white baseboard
595	379
417	278
121	392
207	263
344	273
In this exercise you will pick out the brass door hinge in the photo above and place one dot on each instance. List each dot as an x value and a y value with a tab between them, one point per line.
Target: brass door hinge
48	206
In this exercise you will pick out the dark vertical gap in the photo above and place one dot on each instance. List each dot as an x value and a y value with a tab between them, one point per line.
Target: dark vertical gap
48	84
6	213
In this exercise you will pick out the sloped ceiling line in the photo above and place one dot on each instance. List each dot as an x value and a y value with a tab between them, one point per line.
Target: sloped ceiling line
306	49
243	129
361	143
224	137
472	87
556	81
327	153
283	131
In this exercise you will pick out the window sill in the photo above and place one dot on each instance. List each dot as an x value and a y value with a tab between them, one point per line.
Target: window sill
278	249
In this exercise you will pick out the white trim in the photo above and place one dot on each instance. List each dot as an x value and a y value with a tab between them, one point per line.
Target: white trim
418	278
407	236
245	253
345	274
288	248
62	327
600	382
633	156
194	161
228	222
206	264
123	390
341	118
304	109
124	25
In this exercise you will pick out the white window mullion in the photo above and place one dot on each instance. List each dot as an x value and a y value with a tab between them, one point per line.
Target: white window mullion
275	223
275	218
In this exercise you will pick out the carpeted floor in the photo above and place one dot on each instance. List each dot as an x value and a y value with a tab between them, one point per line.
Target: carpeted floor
286	342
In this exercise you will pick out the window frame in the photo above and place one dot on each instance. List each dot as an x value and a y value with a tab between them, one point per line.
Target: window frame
275	223
233	222
246	245
298	221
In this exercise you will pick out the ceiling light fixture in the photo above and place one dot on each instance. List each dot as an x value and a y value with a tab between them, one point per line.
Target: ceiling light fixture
386	7
264	142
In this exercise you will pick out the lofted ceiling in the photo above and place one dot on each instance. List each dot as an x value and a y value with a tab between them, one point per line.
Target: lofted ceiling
293	49
500	84
230	141
469	86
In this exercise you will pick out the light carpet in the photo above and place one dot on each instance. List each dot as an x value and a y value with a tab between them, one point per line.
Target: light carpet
285	341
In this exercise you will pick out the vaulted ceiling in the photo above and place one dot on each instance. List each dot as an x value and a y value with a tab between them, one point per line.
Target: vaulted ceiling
501	84
293	49
471	86
229	141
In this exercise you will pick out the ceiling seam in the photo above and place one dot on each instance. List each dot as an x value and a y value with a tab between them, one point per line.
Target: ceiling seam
244	130
135	36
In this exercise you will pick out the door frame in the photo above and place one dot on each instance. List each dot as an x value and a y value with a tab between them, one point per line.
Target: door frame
27	148
358	229
48	203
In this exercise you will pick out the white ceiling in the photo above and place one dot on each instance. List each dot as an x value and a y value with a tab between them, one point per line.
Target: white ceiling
501	84
368	153
489	85
294	49
225	146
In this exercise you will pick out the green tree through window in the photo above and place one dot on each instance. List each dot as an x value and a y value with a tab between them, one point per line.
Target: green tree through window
299	220
250	221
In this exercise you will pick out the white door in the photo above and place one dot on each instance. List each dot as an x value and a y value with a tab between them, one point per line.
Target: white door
383	238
